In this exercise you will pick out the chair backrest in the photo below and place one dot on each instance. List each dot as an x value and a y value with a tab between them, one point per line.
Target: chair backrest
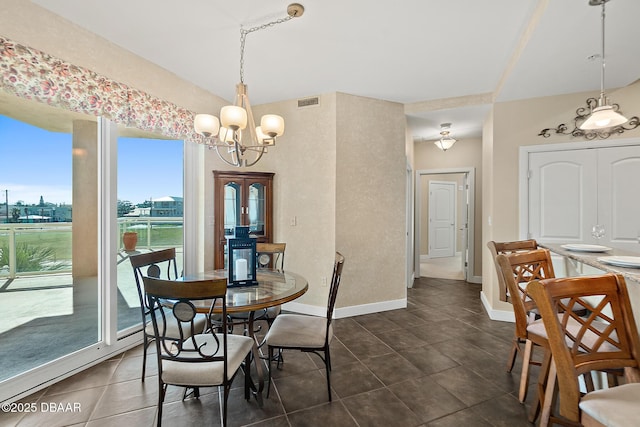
152	264
517	269
335	283
271	255
182	297
497	248
607	338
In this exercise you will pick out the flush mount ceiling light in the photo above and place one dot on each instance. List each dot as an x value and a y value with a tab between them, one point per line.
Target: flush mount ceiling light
599	119
235	136
446	141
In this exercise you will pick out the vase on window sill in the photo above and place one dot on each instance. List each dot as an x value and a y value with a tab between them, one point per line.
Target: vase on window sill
129	240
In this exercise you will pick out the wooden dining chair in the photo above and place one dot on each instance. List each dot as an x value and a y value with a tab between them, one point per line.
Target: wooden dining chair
192	359
497	248
157	264
606	338
517	269
271	255
306	333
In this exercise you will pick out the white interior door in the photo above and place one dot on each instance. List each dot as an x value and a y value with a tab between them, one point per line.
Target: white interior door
618	196
562	195
442	219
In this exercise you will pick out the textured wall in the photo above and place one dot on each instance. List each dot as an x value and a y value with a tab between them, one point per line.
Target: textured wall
371	199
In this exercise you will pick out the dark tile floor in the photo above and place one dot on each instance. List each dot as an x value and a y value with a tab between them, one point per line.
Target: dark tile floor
439	362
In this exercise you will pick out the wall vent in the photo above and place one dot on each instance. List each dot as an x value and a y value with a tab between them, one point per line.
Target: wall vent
308	102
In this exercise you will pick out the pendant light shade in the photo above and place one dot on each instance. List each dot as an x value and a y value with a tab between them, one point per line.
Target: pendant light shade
599	119
233	117
446	141
206	124
272	125
603	116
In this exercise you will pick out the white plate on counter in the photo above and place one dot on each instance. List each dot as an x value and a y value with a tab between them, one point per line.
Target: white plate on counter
621	261
579	247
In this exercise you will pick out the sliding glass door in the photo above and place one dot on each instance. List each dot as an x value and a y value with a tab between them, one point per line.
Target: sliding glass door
49	270
67	295
150	213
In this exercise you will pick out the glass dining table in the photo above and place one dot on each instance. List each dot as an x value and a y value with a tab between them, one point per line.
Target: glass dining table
274	288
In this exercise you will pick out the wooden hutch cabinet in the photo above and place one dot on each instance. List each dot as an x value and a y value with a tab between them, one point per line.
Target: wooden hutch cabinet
241	198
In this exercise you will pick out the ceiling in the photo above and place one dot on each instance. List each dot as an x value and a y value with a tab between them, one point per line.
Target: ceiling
457	55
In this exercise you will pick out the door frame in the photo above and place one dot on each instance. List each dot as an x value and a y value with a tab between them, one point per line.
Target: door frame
470	241
410	268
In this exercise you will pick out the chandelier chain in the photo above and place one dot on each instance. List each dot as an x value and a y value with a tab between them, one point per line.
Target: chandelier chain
243	38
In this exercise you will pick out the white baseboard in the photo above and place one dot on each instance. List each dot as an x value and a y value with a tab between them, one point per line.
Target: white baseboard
342	312
501	315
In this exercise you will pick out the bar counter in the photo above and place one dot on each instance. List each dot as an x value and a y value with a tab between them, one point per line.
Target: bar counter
591	259
586	263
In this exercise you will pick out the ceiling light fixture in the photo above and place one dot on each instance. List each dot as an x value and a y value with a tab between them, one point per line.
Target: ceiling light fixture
235	134
599	119
445	142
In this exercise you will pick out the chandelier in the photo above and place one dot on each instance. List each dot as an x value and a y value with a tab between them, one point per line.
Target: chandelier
235	136
599	119
446	141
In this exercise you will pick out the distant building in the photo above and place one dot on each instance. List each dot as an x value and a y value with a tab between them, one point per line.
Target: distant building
36	213
167	206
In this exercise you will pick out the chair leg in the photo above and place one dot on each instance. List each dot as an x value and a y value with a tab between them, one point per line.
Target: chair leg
162	389
226	388
534	411
270	352
513	354
549	394
145	344
247	376
327	362
524	375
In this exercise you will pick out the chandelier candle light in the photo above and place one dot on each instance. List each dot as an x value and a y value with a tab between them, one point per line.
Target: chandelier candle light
235	133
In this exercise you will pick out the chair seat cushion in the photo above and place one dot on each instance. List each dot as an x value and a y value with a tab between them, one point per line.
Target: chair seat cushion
298	331
573	326
614	407
202	374
200	323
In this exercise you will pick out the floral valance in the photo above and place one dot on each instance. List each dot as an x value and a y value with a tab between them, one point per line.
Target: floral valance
31	74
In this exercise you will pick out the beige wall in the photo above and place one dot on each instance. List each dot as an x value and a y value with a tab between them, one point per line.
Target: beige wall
371	199
516	124
466	153
340	172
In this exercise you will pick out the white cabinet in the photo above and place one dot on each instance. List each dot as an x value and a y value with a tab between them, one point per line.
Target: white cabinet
570	191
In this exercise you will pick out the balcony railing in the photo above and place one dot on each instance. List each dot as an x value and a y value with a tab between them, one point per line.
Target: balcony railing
45	248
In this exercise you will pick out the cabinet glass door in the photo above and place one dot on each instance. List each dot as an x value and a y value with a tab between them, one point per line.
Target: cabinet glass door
232	207
257	209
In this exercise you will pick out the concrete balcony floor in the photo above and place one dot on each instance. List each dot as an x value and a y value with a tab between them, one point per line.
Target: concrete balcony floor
52	309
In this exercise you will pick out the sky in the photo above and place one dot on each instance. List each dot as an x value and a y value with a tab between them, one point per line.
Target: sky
35	162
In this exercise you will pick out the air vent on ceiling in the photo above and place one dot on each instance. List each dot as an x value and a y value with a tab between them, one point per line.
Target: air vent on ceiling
308	102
